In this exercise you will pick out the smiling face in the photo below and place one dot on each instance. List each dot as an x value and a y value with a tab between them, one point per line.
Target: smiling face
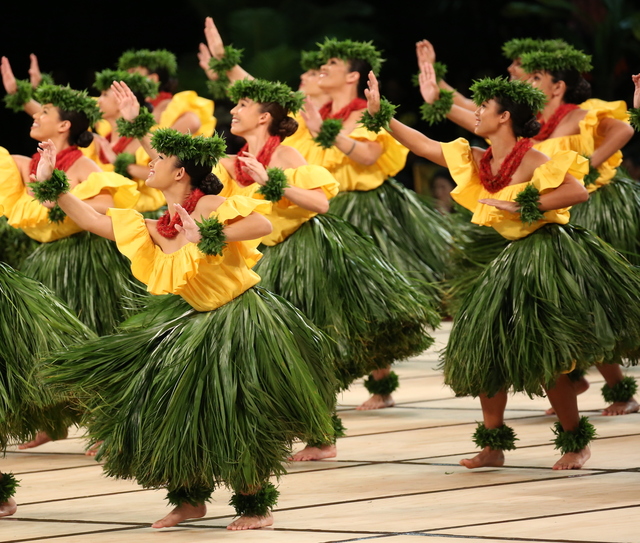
516	72
108	104
163	172
246	116
47	123
488	118
309	83
334	74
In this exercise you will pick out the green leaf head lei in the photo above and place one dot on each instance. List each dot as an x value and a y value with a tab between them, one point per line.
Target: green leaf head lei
68	99
565	59
516	47
138	83
311	60
264	92
201	150
519	92
351	50
151	60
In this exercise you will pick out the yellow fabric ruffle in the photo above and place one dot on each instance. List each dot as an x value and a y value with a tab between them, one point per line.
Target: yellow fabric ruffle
469	190
26	213
587	141
185	101
285	216
205	282
350	174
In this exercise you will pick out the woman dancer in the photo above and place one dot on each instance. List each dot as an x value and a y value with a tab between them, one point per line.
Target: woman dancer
412	236
218	353
528	321
319	262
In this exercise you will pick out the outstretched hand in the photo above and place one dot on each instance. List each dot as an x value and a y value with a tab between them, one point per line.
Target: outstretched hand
372	93
504	205
46	164
204	56
425	52
636	92
35	75
189	227
254	168
428	83
311	116
8	79
127	101
214	40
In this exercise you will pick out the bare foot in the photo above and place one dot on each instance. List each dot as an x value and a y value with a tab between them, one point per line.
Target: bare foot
487	458
622	408
8	508
93	450
180	513
582	385
573	460
377	401
251	523
314	453
41	438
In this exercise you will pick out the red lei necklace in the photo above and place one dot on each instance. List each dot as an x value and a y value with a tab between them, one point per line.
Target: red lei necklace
494	183
118	147
355	105
263	157
64	159
160	98
547	127
166	225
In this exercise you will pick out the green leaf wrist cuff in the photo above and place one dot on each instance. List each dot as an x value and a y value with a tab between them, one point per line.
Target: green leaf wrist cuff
15	102
329	131
381	119
139	127
213	239
438	111
528	199
273	190
51	189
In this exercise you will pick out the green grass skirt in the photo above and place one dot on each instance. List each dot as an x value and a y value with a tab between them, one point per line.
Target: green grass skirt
91	277
555	299
412	235
33	322
15	245
187	399
613	213
339	279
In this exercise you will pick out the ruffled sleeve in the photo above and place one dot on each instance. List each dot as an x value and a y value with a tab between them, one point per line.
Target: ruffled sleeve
464	171
123	190
189	101
350	174
546	178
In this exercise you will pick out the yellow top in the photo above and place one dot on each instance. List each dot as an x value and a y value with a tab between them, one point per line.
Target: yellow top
285	216
205	282
588	140
469	190
185	101
26	213
350	174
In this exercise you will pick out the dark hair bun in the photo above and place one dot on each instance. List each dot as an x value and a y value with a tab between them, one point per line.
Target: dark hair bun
84	139
579	93
210	184
530	128
287	127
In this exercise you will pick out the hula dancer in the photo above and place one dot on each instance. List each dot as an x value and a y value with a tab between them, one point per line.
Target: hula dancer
184	111
556	299
218	353
113	147
34	322
317	261
412	236
613	209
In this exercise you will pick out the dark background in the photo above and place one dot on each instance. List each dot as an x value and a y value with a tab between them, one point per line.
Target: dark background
73	40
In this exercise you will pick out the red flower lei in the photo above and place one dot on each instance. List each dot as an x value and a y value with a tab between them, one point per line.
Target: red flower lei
64	159
160	98
494	183
263	157
166	225
547	127
355	105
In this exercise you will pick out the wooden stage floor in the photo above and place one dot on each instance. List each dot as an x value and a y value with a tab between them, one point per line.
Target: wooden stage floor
396	479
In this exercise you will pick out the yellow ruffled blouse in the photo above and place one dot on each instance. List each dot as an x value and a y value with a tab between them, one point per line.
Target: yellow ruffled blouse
545	178
350	174
205	282
285	216
26	213
588	140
